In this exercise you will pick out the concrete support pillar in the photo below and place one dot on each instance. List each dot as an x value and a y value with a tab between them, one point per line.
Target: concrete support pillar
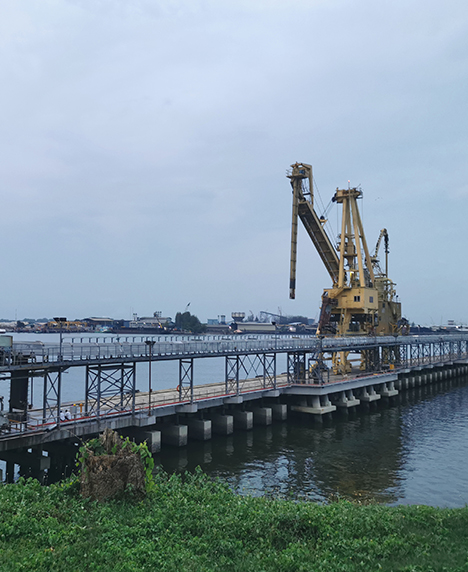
340	399
369	394
315	406
222	424
280	411
199	429
153	440
388	389
262	416
10	471
345	399
243	420
352	400
315	401
174	435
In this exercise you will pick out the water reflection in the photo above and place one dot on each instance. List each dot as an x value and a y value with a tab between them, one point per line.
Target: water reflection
411	449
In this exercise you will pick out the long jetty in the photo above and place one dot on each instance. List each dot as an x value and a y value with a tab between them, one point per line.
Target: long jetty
252	391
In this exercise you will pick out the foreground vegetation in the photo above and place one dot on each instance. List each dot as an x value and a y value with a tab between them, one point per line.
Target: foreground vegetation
194	524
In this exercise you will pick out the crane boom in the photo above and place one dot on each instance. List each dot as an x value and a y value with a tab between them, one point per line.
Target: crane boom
304	209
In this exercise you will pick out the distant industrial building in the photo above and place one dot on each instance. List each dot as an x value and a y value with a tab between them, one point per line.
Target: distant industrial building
253	327
217	325
155	322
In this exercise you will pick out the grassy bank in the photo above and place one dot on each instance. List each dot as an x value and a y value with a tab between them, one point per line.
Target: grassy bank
198	525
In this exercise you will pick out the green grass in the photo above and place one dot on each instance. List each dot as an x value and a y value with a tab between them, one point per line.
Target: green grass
194	524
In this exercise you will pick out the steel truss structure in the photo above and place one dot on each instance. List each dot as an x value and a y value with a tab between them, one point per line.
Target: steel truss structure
110	387
308	366
433	351
52	395
185	386
297	367
381	357
412	351
239	368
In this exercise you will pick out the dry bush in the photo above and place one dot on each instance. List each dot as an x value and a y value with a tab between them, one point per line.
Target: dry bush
111	467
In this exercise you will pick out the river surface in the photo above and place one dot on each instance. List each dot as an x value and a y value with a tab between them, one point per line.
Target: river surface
412	449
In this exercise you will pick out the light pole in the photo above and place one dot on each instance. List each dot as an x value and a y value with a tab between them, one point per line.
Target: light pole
150	344
60	321
276	336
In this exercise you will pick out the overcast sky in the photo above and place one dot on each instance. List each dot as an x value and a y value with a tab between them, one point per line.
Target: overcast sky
144	145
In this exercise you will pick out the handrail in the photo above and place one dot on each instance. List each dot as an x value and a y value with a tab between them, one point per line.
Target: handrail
23	354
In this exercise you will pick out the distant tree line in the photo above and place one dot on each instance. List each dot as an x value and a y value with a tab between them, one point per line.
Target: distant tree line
189	323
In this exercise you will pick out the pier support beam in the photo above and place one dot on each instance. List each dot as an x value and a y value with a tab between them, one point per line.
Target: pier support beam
174	435
388	389
280	411
345	399
315	405
369	394
153	440
199	429
262	415
243	420
222	424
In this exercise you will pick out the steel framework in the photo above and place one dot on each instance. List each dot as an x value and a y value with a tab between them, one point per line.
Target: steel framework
297	367
110	387
241	367
185	386
52	395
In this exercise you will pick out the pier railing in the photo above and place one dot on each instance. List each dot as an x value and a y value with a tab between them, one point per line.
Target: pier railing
24	354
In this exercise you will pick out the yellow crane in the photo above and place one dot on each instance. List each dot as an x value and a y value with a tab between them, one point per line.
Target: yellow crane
362	299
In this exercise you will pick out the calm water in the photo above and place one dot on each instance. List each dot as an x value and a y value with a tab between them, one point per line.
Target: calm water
412	449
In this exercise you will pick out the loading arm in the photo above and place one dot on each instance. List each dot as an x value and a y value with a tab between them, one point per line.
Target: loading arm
303	208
